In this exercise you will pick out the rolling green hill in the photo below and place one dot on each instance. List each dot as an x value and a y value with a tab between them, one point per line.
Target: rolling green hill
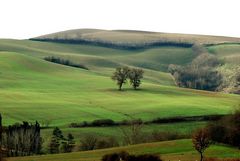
169	150
33	89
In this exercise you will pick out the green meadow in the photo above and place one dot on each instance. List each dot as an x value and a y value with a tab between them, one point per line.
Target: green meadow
168	150
32	89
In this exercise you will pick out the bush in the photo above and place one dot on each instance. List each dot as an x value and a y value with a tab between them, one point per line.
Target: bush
94	123
124	156
64	62
107	143
103	122
200	74
227	130
164	136
89	142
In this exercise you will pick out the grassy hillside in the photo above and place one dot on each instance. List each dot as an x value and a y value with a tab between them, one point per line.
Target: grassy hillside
169	150
102	60
229	52
33	89
128	37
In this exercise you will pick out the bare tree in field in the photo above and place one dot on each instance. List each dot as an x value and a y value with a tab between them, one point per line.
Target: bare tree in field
89	142
120	76
135	76
133	133
201	141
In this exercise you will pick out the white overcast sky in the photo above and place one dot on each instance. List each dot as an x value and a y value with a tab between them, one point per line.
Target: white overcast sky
23	19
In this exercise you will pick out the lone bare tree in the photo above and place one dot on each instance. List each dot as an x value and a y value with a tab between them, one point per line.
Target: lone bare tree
133	133
201	141
135	76
121	75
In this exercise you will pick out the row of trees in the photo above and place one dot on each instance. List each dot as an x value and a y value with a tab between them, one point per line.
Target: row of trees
200	74
20	139
120	45
123	73
62	61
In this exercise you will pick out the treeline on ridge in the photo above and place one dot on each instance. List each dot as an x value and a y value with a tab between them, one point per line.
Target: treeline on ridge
126	46
66	62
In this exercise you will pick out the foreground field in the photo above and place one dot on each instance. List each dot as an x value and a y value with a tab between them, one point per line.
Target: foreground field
183	129
169	150
33	89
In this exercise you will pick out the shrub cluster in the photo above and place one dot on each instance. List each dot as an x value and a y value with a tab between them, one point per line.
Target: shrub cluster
64	62
125	156
187	118
200	74
94	123
91	142
109	122
226	130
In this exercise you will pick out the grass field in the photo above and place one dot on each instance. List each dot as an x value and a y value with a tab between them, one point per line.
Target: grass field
33	89
229	52
169	150
64	95
185	128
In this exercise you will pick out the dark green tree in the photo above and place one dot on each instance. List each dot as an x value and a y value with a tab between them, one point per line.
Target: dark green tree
120	76
68	144
57	133
135	76
56	140
54	145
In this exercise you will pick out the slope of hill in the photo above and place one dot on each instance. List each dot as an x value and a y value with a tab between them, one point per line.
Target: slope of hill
169	150
33	89
103	60
128	38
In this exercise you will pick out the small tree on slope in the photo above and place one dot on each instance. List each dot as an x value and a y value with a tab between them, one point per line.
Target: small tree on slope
201	141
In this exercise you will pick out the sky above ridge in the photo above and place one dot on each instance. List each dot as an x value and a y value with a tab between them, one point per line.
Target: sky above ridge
23	19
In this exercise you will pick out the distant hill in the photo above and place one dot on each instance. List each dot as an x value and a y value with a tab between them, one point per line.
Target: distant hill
132	39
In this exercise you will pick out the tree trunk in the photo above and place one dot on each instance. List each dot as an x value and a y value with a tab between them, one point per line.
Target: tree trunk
135	87
201	156
120	87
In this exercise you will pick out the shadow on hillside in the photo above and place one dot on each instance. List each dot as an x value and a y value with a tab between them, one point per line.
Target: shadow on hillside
160	91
